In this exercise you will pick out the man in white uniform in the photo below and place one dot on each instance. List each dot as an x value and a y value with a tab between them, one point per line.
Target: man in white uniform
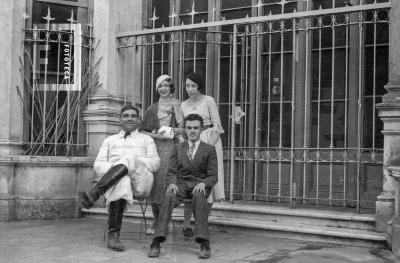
119	157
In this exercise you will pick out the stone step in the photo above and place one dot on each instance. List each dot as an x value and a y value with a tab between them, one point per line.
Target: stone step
305	224
286	215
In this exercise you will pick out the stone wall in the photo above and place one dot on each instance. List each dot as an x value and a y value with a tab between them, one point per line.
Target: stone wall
42	187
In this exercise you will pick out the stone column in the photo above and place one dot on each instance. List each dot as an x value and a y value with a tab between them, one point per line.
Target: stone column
11	129
12	48
102	114
389	112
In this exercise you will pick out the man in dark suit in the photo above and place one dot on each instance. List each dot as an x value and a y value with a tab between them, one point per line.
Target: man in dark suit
192	172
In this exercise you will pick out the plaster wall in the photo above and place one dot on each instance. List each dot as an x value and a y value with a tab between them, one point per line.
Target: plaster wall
42	187
11	13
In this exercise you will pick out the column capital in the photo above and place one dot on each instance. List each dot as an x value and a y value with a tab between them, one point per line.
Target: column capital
102	120
392	97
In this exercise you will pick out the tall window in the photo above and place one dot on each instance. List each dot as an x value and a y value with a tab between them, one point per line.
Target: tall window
58	46
308	88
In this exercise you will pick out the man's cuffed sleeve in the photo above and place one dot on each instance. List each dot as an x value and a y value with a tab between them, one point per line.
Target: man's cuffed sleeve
128	161
212	169
152	160
101	164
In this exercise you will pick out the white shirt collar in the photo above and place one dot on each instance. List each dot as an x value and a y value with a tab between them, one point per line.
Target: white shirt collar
196	144
121	134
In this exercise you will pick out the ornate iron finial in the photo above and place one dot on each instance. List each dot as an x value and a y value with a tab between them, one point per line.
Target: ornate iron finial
333	19
71	20
375	16
320	21
259	4
213	14
25	15
282	26
193	13
48	18
258	28
283	3
173	15
154	18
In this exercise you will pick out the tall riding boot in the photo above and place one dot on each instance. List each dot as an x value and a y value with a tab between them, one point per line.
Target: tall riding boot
109	179
116	212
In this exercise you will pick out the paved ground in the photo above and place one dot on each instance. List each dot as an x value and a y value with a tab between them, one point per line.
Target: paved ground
80	240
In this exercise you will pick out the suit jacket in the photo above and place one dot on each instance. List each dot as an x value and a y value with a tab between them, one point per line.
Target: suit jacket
203	167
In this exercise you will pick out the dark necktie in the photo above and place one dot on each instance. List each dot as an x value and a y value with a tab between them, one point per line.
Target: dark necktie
126	134
190	152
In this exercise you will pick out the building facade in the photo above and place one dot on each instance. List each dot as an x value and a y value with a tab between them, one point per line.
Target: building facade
307	90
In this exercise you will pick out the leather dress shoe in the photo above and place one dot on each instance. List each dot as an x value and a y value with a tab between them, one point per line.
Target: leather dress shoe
205	251
187	232
86	201
113	242
154	250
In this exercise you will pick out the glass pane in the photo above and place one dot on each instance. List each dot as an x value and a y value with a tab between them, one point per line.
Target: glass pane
187	19
274	40
326	75
337	133
161	50
381	70
373	1
198	40
368	122
60	13
328	3
275	133
275	7
381	33
224	80
227	4
234	14
162	12
276	79
199	6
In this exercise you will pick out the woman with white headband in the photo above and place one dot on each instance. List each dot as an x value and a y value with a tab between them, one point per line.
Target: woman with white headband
161	121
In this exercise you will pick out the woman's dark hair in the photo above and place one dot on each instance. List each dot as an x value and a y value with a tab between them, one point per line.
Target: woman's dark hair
196	79
129	107
194	117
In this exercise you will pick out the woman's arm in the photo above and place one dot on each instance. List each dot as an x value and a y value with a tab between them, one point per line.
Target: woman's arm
216	121
156	136
213	138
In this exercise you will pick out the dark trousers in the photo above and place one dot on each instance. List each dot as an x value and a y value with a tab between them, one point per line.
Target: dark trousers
116	212
200	208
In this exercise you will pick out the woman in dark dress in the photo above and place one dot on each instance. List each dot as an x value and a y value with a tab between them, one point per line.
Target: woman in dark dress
157	121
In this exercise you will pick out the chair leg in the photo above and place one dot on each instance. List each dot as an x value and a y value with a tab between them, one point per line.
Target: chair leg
105	231
171	222
143	208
